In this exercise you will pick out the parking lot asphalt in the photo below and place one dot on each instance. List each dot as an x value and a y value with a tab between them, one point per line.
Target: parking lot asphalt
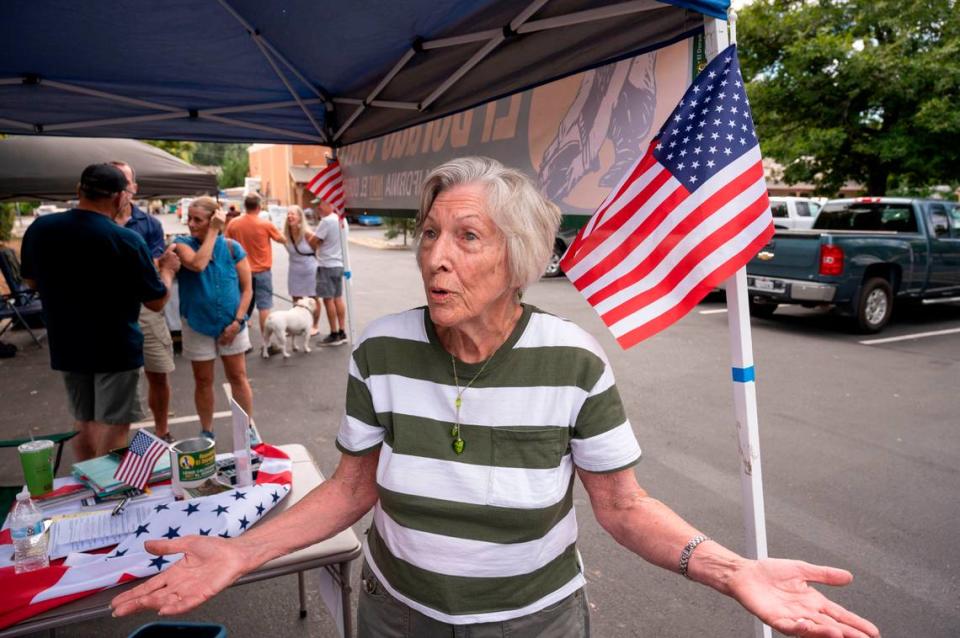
859	446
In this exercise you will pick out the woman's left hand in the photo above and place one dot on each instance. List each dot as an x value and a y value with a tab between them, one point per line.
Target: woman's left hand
229	333
778	592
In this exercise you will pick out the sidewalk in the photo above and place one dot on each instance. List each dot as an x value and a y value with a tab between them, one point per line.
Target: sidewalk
374	238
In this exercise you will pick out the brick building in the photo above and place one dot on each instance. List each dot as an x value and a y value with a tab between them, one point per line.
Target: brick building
285	169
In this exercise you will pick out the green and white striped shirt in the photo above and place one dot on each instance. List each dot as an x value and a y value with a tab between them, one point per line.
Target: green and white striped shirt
490	534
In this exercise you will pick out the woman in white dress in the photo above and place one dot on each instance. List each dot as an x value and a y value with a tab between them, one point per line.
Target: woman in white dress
302	275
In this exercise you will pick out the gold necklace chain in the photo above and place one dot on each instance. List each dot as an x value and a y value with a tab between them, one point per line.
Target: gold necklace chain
455	430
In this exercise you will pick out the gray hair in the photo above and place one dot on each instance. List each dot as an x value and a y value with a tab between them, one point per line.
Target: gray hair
527	219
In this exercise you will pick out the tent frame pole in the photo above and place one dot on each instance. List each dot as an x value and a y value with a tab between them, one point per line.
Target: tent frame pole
169	113
484	51
319	92
402	62
258	40
7	122
590	15
383	104
744	383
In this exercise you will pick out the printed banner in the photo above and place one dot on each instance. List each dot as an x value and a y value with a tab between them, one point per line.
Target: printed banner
576	137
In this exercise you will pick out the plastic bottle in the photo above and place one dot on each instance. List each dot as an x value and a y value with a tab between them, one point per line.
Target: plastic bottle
29	535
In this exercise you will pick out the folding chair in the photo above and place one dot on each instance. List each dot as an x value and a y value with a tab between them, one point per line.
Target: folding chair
23	302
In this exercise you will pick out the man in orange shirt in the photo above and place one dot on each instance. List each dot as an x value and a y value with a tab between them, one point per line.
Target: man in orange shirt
254	234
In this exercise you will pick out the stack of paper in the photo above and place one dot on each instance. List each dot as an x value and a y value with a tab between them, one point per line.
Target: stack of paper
82	532
98	474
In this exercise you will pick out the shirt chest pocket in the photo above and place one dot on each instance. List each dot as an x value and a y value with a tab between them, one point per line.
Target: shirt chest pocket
530	467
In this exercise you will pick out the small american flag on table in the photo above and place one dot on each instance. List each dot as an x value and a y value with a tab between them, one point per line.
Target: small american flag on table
690	213
137	464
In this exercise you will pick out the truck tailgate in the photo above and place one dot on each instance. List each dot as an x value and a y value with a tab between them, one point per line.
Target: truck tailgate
793	254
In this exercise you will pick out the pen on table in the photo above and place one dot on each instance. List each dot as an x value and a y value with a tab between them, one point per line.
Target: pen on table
119	508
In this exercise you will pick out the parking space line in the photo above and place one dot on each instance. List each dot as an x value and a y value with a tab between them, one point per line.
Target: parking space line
917	335
180	419
713	312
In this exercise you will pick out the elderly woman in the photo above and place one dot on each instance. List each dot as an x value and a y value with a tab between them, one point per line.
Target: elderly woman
465	424
302	273
215	288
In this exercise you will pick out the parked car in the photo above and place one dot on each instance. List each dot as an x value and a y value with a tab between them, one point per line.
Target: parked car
46	209
562	241
861	256
794	212
369	220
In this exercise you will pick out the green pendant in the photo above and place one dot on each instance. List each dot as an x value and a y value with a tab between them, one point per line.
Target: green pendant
458	446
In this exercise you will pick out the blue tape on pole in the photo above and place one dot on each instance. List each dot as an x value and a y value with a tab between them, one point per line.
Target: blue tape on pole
347	274
744	375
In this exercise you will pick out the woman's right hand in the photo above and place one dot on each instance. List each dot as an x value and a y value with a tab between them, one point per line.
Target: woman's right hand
218	220
209	565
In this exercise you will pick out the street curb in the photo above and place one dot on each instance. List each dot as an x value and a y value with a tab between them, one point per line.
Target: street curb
380	244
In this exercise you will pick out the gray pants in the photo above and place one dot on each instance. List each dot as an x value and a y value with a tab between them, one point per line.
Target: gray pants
380	615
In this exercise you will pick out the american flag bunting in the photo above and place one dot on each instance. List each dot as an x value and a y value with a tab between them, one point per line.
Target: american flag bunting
227	515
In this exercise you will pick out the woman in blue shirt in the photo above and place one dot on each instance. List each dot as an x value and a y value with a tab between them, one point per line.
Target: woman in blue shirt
215	290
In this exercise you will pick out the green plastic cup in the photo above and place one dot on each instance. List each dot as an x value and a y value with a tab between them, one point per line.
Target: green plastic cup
36	457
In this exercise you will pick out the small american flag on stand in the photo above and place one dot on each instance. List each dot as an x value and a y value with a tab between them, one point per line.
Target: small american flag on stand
328	185
137	464
688	215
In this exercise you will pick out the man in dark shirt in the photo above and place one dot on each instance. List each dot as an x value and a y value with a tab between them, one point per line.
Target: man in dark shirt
92	276
157	343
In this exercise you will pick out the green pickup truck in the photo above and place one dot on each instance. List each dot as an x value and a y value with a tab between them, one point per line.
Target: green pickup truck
860	257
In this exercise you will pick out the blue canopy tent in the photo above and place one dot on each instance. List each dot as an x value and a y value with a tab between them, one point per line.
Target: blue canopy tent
332	73
301	71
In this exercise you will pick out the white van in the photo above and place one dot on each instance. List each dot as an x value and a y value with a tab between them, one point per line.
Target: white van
794	213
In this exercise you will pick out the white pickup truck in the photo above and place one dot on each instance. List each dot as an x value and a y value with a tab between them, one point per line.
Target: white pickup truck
794	213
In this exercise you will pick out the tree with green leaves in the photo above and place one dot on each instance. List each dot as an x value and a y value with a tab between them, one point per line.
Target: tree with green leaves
183	150
863	90
234	165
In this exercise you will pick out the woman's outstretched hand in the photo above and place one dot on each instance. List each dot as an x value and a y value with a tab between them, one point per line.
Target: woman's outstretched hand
778	592
209	565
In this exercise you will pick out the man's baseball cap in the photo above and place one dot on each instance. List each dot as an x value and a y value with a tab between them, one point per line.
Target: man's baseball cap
103	179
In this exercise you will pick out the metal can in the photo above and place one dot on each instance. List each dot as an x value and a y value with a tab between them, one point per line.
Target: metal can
194	461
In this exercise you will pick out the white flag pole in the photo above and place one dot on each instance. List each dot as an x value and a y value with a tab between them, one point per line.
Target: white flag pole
744	384
347	278
347	273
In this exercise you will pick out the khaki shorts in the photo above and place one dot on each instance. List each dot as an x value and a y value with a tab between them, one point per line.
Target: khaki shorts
157	343
107	397
200	347
380	614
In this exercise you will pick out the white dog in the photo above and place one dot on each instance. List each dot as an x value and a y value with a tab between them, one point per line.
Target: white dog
292	323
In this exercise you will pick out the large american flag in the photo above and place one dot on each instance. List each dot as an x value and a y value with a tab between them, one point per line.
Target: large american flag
328	185
689	214
137	464
226	515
